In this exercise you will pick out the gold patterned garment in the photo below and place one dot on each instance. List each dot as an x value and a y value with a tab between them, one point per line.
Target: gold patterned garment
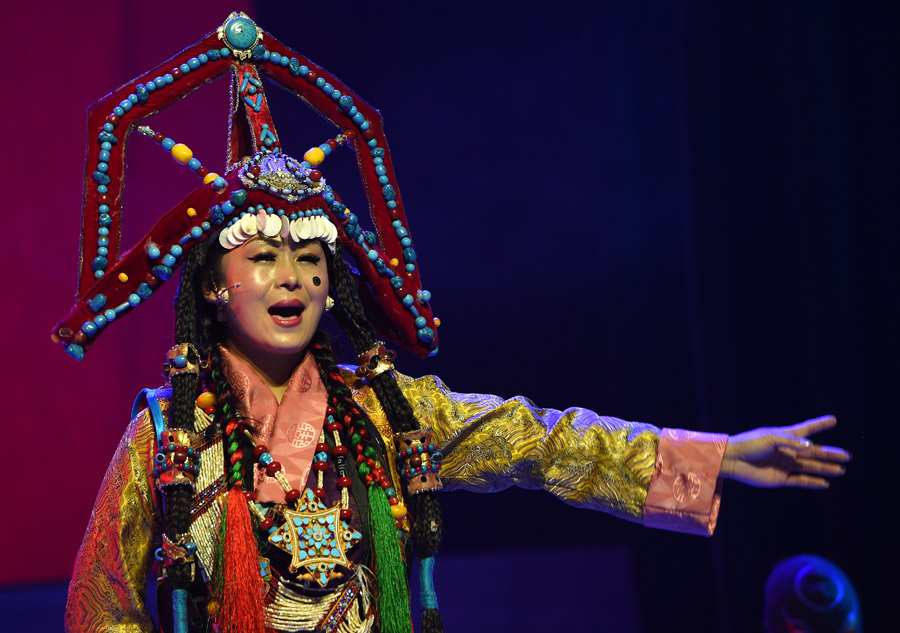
489	444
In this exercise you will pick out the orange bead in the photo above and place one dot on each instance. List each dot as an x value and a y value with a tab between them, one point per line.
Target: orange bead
437	322
206	400
123	278
181	153
191	212
208	178
398	511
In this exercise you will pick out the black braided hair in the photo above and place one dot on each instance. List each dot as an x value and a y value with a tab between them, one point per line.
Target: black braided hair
425	506
185	388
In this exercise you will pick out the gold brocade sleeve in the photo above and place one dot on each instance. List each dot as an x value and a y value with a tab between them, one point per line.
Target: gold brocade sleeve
108	587
490	444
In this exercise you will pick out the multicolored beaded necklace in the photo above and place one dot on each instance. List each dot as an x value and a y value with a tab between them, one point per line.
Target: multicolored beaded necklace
315	536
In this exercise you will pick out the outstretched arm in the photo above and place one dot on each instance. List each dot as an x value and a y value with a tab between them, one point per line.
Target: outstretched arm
783	456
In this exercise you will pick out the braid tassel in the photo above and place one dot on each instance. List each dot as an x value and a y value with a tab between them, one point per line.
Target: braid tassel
240	596
393	593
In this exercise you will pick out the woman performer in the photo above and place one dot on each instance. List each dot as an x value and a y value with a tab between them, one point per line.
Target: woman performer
276	489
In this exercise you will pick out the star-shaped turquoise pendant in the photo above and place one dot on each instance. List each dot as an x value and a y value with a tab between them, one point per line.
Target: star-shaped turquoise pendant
316	538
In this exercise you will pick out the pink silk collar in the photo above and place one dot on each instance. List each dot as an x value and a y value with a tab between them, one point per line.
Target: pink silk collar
289	429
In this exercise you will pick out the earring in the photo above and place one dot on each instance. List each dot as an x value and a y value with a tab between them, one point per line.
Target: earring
329	303
222	300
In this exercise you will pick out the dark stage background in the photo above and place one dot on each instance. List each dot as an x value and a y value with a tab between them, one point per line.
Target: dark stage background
676	212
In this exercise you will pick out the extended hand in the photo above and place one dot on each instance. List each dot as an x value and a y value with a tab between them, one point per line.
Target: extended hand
782	456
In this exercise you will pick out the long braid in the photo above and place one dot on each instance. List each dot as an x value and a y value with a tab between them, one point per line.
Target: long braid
179	498
426	508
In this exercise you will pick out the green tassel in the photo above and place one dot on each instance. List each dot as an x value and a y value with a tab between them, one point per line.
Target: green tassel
393	592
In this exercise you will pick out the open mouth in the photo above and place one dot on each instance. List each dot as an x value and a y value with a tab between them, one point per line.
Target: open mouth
286	311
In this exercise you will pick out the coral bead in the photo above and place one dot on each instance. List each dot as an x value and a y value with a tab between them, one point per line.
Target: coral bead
320	466
321	447
210	410
206	399
258	450
182	153
267	523
335	426
394	501
315	174
346	515
344	482
314	156
339	450
320	493
292	495
273	468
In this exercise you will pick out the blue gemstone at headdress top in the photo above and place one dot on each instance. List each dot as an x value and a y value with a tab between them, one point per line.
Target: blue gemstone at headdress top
241	33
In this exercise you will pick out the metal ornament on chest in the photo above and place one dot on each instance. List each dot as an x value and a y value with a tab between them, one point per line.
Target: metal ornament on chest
316	538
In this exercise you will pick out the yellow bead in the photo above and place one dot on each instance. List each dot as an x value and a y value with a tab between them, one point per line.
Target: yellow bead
192	212
399	511
208	178
182	153
314	156
123	278
395	262
437	322
206	400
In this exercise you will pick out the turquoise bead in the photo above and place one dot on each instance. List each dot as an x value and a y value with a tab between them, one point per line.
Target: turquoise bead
104	155
219	183
144	290
184	68
103	251
196	232
167	144
106	145
193	63
103	231
103	167
153	251
194	164
405	241
202	58
103	208
176	250
75	351
89	328
275	58
424	296
168	260
205	226
180	361
100	321
133	299
383	180
118	111
98	274
110	315
105	219
421	322
168	78
103	241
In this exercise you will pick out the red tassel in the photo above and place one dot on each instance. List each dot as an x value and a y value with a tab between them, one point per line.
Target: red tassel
240	593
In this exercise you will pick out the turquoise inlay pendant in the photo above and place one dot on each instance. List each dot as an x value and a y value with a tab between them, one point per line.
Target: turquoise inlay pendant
316	538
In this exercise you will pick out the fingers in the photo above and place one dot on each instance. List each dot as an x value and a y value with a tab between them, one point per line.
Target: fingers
816	467
827	453
806	481
810	427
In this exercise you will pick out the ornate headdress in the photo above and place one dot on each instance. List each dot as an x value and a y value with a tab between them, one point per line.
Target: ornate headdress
263	191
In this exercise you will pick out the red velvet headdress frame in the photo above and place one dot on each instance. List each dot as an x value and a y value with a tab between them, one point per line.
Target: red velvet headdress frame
392	291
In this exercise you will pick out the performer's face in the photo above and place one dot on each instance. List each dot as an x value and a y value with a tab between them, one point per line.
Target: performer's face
281	297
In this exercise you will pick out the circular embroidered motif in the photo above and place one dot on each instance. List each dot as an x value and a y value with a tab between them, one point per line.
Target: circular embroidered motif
301	382
686	487
264	428
240	383
301	435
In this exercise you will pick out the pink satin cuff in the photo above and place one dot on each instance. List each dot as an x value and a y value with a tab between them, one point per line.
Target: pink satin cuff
685	489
